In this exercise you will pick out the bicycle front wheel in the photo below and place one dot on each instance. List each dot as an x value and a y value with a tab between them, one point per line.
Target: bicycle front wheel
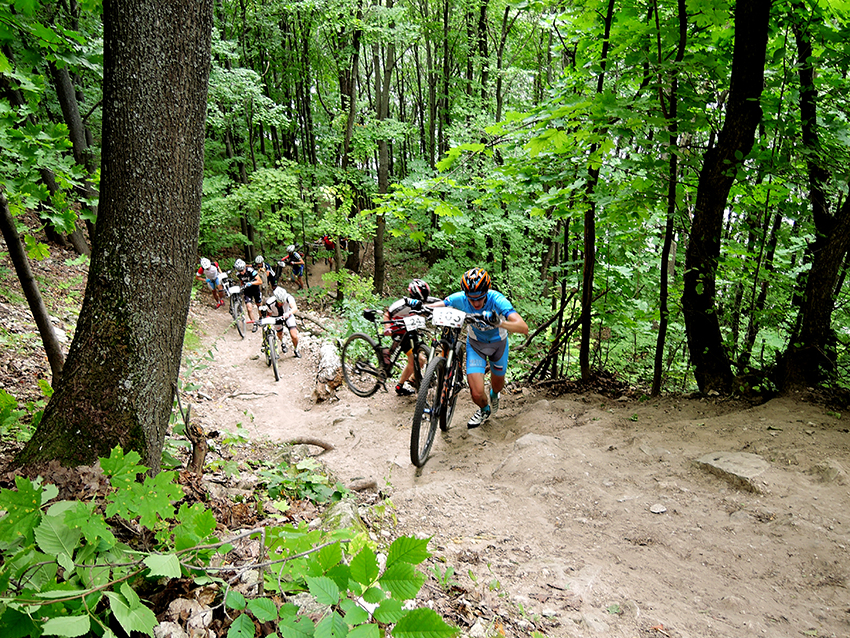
427	412
271	344
237	310
361	365
451	386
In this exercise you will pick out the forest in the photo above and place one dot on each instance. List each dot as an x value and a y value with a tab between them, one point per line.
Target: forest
661	191
664	188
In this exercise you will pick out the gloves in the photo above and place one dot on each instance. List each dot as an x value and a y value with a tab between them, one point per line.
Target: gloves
491	318
415	304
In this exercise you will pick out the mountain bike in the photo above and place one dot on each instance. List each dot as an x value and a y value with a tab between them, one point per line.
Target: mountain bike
367	363
442	381
270	341
237	304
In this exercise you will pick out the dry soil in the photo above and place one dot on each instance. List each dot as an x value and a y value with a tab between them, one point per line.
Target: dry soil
589	515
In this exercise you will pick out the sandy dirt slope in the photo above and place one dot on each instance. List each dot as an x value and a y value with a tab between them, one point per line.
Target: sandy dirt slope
548	506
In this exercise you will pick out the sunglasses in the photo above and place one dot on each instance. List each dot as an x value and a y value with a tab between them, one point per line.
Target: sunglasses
476	297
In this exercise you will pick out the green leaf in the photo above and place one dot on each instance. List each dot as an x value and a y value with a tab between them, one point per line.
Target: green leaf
402	581
364	567
356	615
390	611
409	550
263	609
374	595
331	626
66	626
22	511
235	600
53	536
131	617
329	556
296	627
423	622
92	526
167	565
365	631
323	589
242	627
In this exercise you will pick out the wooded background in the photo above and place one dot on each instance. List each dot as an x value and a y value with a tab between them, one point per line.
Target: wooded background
663	186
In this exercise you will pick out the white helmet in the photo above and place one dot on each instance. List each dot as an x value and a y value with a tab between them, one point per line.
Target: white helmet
290	249
258	259
239	264
205	263
280	294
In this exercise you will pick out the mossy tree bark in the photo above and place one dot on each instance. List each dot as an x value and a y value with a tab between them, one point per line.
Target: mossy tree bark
117	385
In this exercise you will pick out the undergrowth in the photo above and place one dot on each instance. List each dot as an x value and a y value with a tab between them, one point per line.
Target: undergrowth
64	572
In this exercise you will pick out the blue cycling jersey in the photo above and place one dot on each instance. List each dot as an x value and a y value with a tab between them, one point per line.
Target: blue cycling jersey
495	302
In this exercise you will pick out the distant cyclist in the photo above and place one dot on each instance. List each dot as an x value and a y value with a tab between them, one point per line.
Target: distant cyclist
265	270
295	261
420	293
211	273
251	287
284	306
487	340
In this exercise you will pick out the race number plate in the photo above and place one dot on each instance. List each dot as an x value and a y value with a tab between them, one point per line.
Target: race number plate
448	317
414	322
268	321
234	289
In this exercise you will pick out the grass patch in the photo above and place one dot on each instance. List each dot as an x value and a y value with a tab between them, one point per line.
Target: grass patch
191	340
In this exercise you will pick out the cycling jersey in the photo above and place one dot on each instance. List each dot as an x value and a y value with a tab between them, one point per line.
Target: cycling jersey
248	278
480	331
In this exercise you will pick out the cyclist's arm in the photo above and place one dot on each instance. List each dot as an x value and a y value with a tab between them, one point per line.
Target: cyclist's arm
514	323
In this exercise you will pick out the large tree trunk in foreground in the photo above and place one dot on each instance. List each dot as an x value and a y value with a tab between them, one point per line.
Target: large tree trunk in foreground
712	367
117	385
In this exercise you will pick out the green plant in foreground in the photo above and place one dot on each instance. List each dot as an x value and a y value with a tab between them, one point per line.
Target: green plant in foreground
64	573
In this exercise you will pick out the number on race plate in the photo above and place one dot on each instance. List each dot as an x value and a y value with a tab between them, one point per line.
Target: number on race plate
268	321
414	322
449	317
234	289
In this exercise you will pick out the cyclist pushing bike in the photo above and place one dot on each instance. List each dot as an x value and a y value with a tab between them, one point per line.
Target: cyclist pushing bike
283	306
420	293
251	286
487	339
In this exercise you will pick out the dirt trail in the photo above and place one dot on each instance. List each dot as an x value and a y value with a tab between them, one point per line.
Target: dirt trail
548	505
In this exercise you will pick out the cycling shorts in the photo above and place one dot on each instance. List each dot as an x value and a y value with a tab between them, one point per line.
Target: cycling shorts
214	283
298	270
252	293
478	354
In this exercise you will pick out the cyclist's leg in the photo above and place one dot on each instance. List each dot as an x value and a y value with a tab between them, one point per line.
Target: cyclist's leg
407	347
498	369
475	366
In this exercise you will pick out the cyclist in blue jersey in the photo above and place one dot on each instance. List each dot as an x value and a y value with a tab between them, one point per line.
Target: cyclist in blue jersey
487	340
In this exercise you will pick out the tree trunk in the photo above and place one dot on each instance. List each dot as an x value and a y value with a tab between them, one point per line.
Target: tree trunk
52	347
712	367
810	357
118	382
590	223
672	187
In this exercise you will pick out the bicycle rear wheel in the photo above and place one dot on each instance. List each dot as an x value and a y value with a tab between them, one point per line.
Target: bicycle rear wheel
271	344
427	412
421	354
361	365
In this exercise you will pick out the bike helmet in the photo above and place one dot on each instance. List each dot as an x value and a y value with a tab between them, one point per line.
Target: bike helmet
290	249
239	264
280	294
205	263
258	259
418	289
475	283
